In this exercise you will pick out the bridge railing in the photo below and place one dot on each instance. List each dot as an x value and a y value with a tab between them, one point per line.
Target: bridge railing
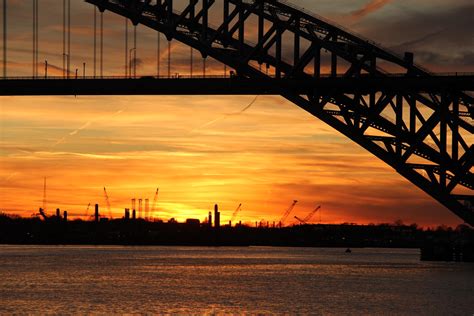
198	76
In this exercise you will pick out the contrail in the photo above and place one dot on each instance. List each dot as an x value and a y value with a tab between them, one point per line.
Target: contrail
227	115
84	126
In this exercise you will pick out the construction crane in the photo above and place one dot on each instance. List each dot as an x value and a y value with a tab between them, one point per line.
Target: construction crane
41	212
234	215
87	210
108	203
287	212
309	216
154	202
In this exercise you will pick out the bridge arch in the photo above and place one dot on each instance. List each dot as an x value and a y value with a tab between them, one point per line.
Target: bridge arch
425	134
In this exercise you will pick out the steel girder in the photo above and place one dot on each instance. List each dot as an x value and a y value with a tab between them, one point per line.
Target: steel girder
426	136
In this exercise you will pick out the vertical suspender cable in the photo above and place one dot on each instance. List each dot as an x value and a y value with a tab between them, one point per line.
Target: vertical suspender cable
34	38
169	59
191	64
192	15
158	52
101	44
134	51
95	41
37	39
126	47
4	38
64	38
68	37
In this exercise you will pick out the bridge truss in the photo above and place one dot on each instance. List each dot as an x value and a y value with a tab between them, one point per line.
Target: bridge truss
425	134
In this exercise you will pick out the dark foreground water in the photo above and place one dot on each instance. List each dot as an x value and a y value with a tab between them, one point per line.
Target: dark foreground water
84	279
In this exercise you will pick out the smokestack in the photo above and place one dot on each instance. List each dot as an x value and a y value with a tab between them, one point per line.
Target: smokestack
140	208
65	216
58	213
210	220
134	214
96	213
217	217
134	202
127	214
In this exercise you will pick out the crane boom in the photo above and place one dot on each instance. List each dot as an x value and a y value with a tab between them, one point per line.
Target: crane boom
108	203
237	210
287	212
311	214
300	220
87	210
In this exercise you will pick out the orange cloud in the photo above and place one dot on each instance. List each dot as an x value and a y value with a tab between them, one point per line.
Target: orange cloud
372	6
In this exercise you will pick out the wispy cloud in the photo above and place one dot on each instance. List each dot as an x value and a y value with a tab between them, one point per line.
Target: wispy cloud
63	139
226	115
370	7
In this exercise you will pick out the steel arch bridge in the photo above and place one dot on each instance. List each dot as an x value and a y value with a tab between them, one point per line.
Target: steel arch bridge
424	131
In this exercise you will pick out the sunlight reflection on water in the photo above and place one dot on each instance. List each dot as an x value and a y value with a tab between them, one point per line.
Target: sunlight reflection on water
85	279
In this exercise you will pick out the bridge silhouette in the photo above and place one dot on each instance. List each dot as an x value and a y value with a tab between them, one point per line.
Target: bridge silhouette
417	122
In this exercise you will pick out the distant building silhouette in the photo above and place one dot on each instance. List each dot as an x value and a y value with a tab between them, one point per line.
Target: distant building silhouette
96	213
217	217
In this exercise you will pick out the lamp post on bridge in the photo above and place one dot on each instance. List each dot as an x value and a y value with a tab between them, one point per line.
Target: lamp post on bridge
130	61
46	69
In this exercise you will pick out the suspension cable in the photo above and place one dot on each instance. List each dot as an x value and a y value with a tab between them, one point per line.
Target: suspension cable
95	41
134	51
126	47
158	54
34	39
64	38
4	38
37	39
68	37
101	44
169	59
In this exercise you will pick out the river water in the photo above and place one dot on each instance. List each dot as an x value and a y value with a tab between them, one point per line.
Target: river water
105	280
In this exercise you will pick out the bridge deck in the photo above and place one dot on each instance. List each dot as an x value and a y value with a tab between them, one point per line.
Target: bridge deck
21	86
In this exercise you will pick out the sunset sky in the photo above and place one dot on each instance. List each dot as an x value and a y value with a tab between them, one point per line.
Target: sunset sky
198	150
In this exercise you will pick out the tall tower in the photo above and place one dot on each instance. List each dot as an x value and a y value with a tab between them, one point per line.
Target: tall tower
140	208
217	217
134	204
96	213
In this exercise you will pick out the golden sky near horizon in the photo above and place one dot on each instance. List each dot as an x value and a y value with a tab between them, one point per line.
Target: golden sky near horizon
200	150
